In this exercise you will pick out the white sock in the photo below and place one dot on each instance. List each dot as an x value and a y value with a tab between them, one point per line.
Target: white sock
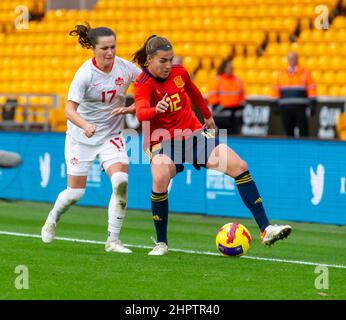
117	205
65	199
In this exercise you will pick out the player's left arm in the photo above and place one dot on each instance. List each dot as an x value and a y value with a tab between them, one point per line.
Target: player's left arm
124	110
134	72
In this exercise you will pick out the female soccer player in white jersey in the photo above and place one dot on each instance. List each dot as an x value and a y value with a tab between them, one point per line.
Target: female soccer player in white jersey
94	109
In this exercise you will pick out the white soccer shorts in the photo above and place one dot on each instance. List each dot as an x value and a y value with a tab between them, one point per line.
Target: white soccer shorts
79	156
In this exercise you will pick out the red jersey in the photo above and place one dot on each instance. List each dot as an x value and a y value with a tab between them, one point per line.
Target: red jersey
148	91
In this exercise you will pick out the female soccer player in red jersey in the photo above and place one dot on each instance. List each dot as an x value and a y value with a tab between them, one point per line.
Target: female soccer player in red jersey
173	135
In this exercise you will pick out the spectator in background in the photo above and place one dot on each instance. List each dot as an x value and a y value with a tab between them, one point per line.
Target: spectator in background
227	97
295	95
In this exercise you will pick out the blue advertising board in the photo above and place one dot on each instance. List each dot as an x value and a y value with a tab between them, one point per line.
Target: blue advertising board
299	180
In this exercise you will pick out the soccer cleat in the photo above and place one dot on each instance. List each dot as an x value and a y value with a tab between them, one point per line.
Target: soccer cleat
116	246
160	249
275	232
48	232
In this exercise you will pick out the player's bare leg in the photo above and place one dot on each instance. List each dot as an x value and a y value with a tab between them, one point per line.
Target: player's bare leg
118	174
224	159
74	192
162	171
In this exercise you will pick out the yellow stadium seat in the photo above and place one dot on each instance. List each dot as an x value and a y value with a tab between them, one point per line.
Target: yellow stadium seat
19	114
202	76
35	100
343	91
305	23
264	77
284	36
257	89
250	63
55	15
328	77
251	49
317	36
322	89
208	31
274	63
336	63
323	62
57	120
317	75
239	62
273	49
3	100
340	35
339	23
340	77
308	49
240	73
274	76
266	90
207	63
22	100
312	63
217	62
209	50
239	49
334	90
251	77
261	63
273	36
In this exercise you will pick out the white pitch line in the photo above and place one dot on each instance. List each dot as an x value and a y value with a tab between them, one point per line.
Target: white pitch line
28	235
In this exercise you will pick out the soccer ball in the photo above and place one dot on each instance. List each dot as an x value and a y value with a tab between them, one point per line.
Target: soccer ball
233	239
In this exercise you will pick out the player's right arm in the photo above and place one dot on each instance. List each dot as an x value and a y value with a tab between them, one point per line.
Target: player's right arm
76	93
144	111
76	119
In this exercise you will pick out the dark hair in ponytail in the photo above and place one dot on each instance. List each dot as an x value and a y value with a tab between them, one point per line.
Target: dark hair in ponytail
222	67
149	48
88	37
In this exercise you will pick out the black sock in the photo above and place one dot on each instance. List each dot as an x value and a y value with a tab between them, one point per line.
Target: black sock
159	207
249	193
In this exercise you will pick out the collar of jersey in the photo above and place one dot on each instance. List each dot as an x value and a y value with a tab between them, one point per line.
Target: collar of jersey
93	61
155	78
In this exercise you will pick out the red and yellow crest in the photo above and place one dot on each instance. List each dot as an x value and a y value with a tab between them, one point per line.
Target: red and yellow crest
178	80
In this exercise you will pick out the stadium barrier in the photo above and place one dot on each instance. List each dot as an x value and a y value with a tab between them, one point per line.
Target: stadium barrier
299	179
27	112
260	118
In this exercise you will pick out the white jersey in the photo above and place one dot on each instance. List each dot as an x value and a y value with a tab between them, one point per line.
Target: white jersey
97	94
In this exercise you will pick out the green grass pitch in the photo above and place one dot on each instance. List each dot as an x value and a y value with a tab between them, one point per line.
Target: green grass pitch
73	270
